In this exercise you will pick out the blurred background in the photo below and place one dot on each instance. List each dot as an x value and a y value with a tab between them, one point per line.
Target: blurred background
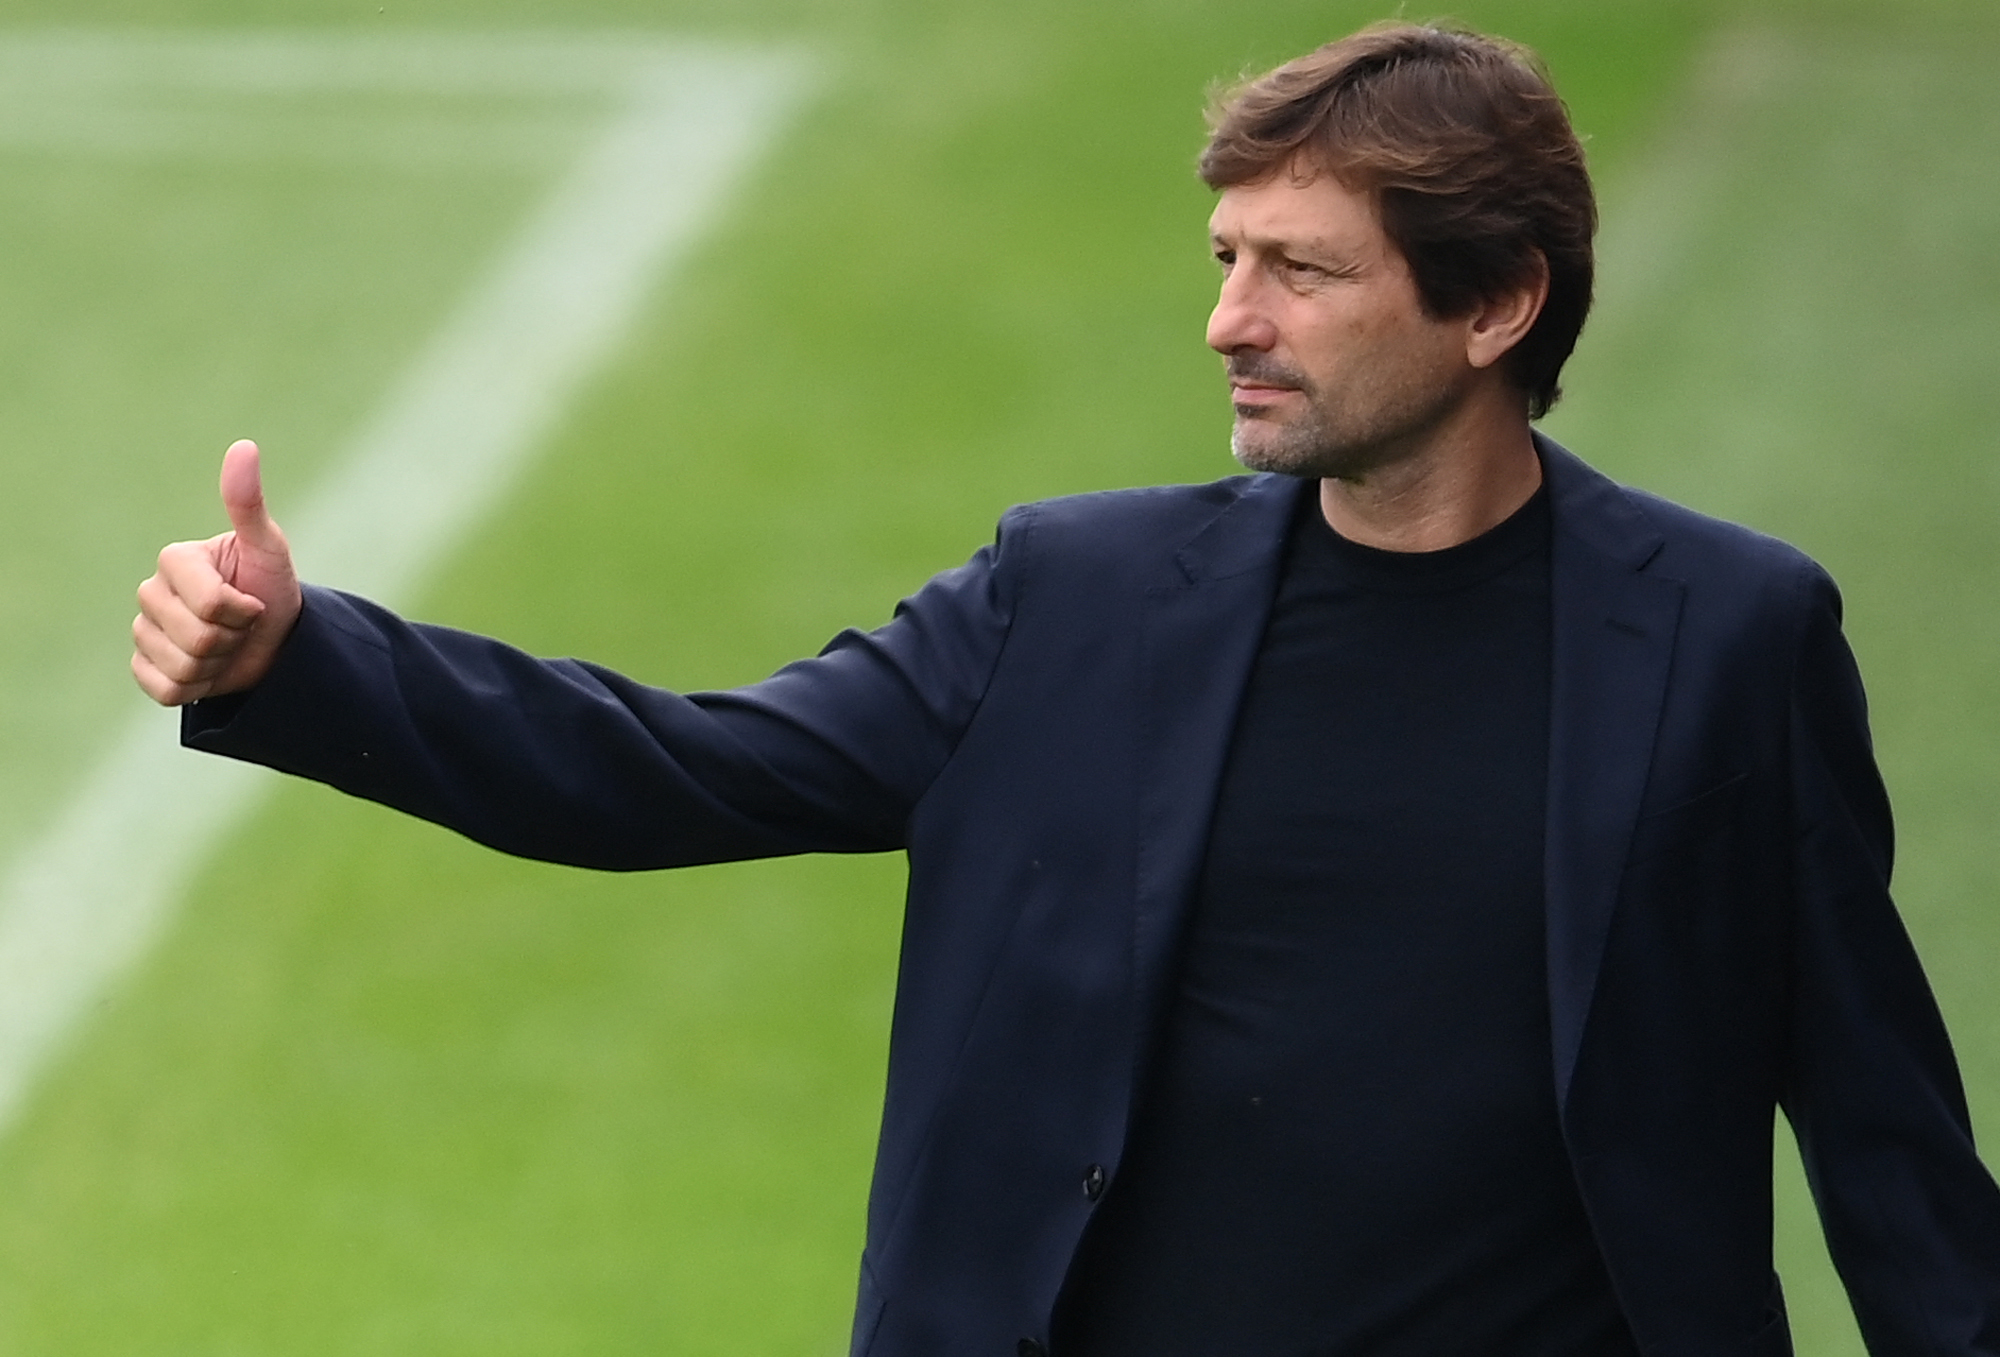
378	1090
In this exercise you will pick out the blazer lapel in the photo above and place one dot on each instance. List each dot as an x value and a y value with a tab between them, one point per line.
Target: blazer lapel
1614	630
1203	625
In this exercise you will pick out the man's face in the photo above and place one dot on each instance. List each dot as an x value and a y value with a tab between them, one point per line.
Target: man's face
1333	366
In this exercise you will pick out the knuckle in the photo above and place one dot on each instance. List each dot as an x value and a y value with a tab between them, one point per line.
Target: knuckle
147	638
154	683
179	666
212	640
206	604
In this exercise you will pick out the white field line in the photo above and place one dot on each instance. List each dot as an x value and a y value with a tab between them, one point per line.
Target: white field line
88	899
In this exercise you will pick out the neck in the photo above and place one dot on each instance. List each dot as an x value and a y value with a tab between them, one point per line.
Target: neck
1463	482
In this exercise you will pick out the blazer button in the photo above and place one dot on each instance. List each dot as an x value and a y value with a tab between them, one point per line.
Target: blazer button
1093	1182
1029	1347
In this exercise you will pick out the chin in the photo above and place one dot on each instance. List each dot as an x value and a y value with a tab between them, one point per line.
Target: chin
1268	449
1315	451
1259	450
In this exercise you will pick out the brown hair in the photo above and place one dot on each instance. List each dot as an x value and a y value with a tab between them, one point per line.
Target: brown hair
1468	153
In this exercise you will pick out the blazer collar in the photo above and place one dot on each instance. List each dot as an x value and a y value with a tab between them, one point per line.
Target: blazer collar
1595	510
1248	534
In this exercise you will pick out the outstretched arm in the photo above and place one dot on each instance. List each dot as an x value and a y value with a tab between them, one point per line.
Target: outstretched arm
558	759
213	615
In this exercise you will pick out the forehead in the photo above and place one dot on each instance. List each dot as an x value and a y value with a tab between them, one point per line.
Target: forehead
1284	210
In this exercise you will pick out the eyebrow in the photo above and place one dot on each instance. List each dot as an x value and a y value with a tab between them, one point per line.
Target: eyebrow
1313	249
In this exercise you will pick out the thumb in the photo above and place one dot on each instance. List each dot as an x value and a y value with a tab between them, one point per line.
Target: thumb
243	498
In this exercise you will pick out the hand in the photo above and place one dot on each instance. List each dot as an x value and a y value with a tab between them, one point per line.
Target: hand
212	617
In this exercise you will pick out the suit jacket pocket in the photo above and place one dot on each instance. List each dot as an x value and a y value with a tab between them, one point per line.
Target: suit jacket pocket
1687	825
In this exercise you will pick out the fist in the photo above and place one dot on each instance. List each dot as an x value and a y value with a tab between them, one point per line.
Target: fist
212	617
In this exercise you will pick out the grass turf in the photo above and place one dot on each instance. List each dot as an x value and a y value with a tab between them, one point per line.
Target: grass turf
383	1090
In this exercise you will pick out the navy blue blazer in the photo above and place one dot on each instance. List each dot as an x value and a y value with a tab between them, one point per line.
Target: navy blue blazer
1043	729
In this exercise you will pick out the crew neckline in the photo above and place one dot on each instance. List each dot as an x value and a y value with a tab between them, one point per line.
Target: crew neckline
1520	535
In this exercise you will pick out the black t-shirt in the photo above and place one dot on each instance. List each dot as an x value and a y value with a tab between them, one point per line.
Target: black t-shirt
1348	1139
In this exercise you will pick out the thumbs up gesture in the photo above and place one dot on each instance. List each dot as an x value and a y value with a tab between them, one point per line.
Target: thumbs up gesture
213	615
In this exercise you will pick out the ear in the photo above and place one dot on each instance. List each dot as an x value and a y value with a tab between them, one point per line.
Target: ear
1501	322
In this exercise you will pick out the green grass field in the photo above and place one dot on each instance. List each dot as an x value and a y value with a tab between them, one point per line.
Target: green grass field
380	1091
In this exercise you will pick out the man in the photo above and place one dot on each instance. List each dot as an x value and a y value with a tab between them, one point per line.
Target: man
1370	907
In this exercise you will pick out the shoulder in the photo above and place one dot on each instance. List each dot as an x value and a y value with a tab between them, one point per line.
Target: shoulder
1142	512
1717	560
1138	532
1701	545
1740	592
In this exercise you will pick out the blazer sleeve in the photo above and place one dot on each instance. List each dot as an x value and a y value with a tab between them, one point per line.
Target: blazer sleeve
570	762
1912	1218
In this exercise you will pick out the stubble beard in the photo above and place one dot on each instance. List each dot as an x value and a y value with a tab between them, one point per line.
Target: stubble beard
1304	445
1325	440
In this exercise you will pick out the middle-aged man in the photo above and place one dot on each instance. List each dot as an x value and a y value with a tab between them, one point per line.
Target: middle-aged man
1369	907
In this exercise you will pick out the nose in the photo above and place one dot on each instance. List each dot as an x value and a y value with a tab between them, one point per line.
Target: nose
1239	320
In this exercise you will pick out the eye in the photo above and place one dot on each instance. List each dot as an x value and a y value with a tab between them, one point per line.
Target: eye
1225	258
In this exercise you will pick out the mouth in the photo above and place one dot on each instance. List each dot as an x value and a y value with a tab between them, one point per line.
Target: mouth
1259	381
1257	394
